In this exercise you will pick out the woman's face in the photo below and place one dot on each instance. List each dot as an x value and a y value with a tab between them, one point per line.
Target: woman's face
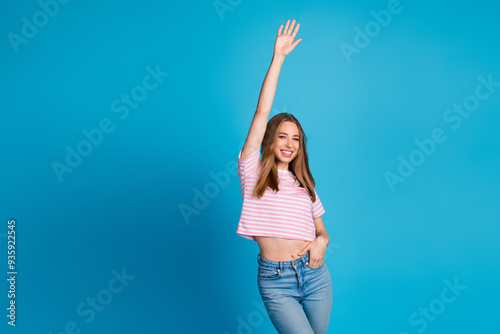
286	146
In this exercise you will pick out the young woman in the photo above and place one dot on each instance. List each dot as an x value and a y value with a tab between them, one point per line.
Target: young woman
282	211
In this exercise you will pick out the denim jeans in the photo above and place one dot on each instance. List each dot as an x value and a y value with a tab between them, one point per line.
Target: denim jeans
298	298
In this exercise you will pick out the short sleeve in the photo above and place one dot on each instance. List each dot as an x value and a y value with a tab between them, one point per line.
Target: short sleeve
249	165
317	209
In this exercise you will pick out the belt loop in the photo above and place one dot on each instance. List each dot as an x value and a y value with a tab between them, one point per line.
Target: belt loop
281	265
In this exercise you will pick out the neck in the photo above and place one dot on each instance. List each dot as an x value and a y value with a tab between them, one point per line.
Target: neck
283	167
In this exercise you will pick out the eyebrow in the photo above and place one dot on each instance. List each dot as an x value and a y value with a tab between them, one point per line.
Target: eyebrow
284	133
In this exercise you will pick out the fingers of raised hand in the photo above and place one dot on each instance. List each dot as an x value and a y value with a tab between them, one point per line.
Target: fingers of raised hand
279	30
296	30
286	27
290	28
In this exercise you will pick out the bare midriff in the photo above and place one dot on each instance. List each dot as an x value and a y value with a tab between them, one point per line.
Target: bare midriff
280	249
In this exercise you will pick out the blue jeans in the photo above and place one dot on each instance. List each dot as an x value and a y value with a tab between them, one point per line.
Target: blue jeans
298	298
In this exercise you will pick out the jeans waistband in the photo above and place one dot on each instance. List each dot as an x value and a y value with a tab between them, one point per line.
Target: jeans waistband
283	264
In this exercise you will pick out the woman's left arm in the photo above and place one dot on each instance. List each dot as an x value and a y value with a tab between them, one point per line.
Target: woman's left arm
317	248
321	230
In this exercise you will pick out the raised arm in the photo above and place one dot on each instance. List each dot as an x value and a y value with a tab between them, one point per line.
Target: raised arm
283	45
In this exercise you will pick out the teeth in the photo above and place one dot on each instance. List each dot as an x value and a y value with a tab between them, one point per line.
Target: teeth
288	152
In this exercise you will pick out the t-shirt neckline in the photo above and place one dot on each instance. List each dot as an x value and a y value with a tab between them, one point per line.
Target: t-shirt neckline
284	171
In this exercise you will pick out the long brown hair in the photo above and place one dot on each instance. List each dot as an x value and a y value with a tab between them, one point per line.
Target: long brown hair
298	166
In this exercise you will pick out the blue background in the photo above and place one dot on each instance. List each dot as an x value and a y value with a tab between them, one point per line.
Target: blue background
391	249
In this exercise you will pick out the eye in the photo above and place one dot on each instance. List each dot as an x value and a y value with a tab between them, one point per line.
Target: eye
297	139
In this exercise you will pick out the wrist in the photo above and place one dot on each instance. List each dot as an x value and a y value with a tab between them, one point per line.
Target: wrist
279	58
323	240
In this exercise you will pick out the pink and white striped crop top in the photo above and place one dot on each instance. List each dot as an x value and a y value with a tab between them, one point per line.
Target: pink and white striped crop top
288	213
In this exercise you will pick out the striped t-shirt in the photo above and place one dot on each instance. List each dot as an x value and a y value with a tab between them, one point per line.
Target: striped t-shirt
288	213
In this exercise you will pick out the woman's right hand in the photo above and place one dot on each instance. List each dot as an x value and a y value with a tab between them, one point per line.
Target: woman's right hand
284	43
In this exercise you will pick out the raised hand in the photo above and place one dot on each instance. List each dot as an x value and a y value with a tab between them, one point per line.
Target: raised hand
284	43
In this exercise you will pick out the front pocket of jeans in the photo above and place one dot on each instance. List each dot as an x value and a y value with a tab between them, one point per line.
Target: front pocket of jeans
322	264
267	273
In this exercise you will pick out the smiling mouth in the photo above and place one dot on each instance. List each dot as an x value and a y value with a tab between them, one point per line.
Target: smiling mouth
287	153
